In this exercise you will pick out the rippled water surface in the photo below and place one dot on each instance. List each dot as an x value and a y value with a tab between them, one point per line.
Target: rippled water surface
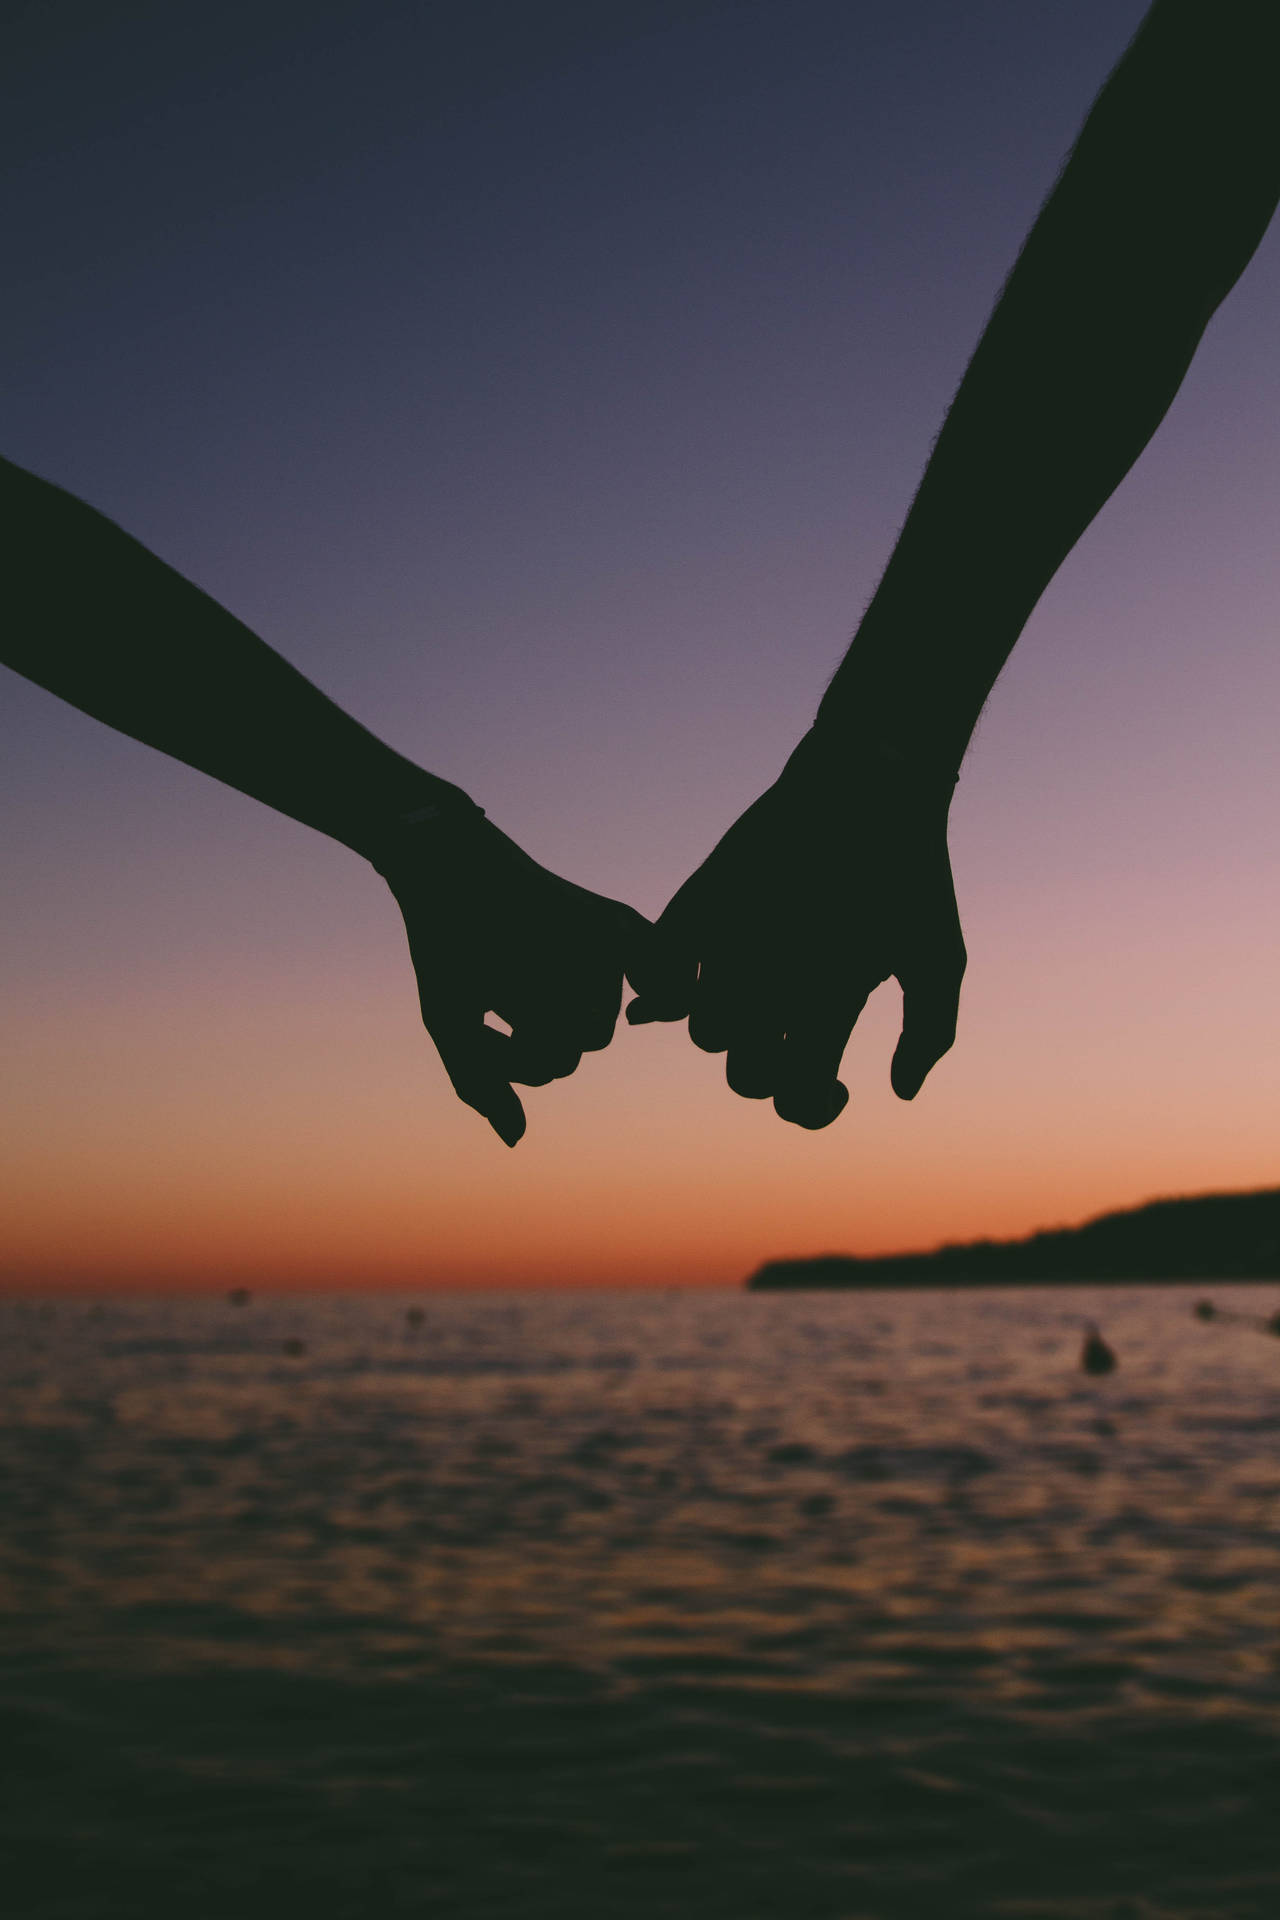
859	1606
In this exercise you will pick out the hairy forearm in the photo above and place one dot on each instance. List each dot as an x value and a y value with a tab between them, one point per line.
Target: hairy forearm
95	617
1158	211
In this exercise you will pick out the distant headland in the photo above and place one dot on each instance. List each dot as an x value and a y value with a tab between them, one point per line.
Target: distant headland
1212	1236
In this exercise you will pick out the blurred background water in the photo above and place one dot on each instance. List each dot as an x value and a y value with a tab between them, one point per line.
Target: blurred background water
859	1605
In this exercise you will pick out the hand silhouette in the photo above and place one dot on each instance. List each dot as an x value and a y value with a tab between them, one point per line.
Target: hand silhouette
832	880
106	624
491	931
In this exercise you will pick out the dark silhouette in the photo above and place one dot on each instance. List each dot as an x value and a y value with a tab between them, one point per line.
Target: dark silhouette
414	1316
1216	1236
95	617
238	1297
1096	1356
838	876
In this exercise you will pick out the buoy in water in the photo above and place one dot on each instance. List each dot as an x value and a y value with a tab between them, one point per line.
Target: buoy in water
414	1315
1097	1356
295	1348
1204	1310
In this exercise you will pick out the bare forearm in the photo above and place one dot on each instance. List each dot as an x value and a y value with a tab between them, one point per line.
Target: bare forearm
93	616
1157	213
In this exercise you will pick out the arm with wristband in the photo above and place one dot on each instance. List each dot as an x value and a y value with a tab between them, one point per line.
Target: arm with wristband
96	618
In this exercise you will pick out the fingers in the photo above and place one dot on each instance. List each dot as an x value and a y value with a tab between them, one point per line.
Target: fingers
545	1044
545	955
930	1009
809	1092
552	1027
597	1015
752	1065
661	965
735	1012
792	1057
596	1023
541	1053
637	940
719	1014
477	1061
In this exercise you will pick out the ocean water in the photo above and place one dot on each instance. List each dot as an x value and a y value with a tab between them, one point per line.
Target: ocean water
857	1606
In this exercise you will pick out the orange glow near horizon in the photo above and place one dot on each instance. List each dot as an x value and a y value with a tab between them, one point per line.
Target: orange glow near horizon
643	1170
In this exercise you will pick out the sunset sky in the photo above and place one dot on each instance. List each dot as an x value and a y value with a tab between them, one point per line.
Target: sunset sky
548	382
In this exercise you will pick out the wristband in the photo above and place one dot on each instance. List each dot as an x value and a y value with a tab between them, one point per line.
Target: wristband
407	835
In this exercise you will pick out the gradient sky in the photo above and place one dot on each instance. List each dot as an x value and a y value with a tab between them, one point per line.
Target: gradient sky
549	383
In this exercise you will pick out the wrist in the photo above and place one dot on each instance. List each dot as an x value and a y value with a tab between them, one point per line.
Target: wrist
847	757
432	821
920	668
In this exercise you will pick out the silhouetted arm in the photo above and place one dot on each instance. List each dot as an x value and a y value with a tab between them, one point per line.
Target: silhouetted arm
1159	209
93	616
839	875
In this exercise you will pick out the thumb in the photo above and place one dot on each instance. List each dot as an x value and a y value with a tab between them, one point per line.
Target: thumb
663	965
930	1009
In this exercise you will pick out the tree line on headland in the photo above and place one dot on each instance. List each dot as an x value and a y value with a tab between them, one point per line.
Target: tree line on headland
1214	1236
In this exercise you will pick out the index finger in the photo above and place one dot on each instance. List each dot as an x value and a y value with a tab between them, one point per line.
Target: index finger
475	1057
